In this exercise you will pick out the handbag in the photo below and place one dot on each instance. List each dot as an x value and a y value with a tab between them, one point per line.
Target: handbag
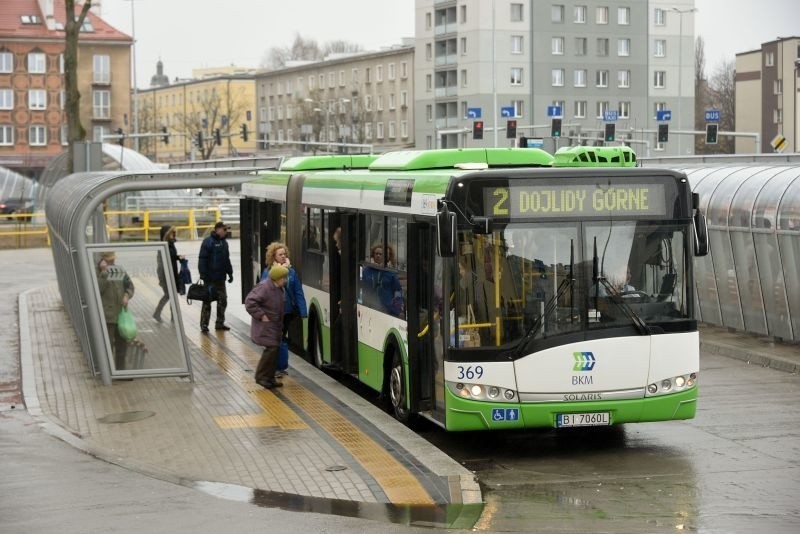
201	292
470	337
126	324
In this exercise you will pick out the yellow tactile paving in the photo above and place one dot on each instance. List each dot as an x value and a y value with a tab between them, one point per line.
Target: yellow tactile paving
399	484
244	421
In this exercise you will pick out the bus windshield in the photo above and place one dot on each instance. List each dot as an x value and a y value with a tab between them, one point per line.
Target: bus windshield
536	281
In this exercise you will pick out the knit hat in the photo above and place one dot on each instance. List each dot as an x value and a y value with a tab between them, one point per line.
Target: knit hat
277	271
108	256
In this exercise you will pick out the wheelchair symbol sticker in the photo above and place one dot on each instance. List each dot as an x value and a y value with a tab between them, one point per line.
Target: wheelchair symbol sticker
505	414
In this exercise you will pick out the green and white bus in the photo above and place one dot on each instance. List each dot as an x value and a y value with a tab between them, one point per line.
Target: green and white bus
492	288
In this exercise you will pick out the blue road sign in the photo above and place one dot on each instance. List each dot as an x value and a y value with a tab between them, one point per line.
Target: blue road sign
473	113
712	115
507	111
610	115
664	115
553	111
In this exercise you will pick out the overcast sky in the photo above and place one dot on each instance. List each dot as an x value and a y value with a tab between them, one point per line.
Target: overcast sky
189	34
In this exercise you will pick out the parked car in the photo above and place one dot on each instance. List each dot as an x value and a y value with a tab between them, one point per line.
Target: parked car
11	206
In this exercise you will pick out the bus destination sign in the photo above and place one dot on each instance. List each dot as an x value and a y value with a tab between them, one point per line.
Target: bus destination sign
579	200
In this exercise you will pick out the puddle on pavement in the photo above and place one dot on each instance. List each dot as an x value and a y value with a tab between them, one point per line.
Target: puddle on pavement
461	516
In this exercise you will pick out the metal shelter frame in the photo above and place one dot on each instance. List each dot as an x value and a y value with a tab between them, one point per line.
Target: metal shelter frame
74	217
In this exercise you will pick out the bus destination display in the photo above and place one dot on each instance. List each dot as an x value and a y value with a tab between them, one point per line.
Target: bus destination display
589	200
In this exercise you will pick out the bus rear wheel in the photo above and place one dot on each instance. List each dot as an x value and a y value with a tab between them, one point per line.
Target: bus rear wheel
397	389
315	344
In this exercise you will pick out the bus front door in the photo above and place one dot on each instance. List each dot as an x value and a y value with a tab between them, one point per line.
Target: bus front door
420	316
343	288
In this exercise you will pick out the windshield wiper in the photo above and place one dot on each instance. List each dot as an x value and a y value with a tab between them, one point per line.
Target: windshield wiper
566	283
614	295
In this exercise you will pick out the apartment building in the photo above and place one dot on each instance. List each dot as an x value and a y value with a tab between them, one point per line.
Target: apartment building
203	117
510	60
355	99
769	76
32	91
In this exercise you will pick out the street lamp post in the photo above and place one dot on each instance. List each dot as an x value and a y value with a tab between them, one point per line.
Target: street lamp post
135	92
796	114
680	13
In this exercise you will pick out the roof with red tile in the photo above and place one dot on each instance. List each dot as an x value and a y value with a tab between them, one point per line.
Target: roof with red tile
11	25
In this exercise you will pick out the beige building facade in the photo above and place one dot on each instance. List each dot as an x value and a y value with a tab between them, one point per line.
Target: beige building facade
202	118
355	103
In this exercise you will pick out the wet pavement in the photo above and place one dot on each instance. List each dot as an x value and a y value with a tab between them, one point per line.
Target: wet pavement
732	469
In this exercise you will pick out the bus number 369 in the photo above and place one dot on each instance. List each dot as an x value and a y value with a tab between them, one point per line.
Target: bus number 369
469	372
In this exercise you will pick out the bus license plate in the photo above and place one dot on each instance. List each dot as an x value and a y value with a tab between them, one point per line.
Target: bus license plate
583	419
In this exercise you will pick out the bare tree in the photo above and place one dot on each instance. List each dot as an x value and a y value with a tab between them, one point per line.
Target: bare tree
72	28
722	86
210	112
147	123
303	49
699	59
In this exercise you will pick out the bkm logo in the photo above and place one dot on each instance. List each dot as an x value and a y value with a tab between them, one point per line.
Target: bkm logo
584	361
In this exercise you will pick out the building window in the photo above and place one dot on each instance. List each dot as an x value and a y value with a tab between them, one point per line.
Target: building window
660	48
463	46
659	17
557	14
429	113
379	103
392	130
368	131
98	133
623	47
392	101
580	15
368	75
6	62
769	59
310	83
518	107
623	16
601	15
341	79
404	129
580	109
463	77
6	99
601	79
428	21
516	12
37	99
580	46
602	46
558	77
580	78
660	79
602	107
354	76
777	116
428	82
6	135
379	130
37	136
658	106
624	78
428	52
557	45
379	73
102	69
322	81
463	14
101	104
624	110
516	44
516	76
391	71
403	99
64	135
777	87
37	63
62	99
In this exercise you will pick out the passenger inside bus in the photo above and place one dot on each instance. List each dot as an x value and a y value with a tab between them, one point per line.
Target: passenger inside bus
381	289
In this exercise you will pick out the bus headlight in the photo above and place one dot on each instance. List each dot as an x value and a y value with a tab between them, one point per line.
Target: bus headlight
482	392
673	384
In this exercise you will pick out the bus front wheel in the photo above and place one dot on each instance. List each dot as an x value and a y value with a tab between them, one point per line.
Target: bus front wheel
397	389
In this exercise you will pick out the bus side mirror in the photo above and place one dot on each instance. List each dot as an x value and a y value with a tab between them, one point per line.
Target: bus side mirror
446	232
700	234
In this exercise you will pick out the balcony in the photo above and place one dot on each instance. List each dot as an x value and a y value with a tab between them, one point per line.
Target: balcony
443	29
448	122
449	59
450	90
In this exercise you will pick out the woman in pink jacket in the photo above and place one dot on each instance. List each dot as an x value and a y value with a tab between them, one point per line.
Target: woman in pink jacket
265	304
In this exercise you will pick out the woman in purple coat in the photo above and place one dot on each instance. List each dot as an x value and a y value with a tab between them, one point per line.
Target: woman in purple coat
265	304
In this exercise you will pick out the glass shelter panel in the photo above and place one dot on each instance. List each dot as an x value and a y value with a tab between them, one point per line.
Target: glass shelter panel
129	287
747	275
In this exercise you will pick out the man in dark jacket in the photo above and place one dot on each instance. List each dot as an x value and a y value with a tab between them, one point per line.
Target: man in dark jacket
265	304
214	263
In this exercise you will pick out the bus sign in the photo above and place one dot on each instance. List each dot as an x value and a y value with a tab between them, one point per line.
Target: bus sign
712	115
579	200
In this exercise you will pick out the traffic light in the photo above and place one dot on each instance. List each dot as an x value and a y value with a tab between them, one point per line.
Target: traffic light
711	134
244	132
523	142
217	137
199	139
663	133
555	128
165	138
511	129
610	132
121	139
477	130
